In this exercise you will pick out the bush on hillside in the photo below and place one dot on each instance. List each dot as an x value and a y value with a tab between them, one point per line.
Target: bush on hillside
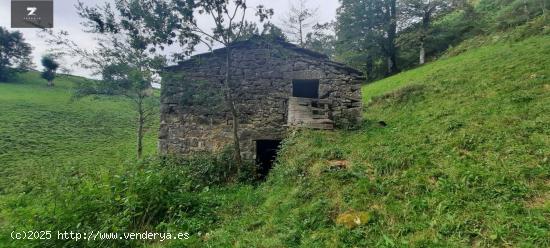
205	170
155	195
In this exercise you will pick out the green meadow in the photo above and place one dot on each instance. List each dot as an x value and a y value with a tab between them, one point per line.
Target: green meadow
463	160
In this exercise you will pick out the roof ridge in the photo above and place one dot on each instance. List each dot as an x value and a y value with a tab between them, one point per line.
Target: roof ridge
283	43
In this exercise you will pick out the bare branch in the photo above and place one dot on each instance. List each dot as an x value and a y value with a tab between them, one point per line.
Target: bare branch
242	24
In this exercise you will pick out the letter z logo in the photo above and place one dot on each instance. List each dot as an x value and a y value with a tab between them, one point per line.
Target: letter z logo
31	14
31	11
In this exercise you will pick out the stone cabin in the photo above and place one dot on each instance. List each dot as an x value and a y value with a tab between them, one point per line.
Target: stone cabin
276	85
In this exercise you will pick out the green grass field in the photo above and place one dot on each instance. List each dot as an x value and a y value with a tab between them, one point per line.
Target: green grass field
463	161
49	141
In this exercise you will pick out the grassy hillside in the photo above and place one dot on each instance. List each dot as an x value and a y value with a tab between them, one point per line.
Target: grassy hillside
49	143
34	118
463	160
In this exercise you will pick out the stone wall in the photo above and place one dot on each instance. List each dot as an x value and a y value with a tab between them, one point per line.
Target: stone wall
195	118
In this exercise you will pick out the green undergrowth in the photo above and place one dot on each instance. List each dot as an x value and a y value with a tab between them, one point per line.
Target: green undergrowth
498	40
461	159
536	26
51	145
69	165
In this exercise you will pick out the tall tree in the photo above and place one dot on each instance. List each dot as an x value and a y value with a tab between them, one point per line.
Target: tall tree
359	36
322	39
272	31
230	22
369	26
388	22
128	53
50	67
127	58
423	12
298	21
14	53
145	26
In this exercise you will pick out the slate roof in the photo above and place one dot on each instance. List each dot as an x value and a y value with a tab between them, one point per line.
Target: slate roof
254	40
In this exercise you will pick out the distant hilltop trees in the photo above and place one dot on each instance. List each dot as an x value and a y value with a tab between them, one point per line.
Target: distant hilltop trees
14	54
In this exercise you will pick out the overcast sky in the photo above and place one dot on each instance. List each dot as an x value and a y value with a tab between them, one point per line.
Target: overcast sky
65	18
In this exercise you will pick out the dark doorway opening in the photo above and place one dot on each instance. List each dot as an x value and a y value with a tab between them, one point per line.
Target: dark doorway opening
305	88
266	153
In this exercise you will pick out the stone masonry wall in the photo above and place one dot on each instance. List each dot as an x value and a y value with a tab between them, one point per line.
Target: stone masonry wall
195	118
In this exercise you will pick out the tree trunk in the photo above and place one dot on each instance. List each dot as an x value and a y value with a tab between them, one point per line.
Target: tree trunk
390	65
422	56
391	57
526	9
233	110
301	34
426	20
50	83
391	52
544	9
141	122
370	69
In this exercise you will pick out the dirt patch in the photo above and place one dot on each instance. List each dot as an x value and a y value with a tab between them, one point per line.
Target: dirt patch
540	201
338	164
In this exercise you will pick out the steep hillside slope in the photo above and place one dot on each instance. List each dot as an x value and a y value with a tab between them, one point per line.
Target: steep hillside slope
452	154
49	144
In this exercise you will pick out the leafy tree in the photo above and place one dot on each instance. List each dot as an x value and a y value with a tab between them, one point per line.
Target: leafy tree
511	13
273	32
174	23
424	11
269	30
250	29
128	56
322	39
388	34
358	33
230	26
298	21
14	53
127	59
50	68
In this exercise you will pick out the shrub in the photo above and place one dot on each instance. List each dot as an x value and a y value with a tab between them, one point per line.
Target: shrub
207	170
155	195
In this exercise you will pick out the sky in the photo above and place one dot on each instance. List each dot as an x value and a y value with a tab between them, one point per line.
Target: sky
66	18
